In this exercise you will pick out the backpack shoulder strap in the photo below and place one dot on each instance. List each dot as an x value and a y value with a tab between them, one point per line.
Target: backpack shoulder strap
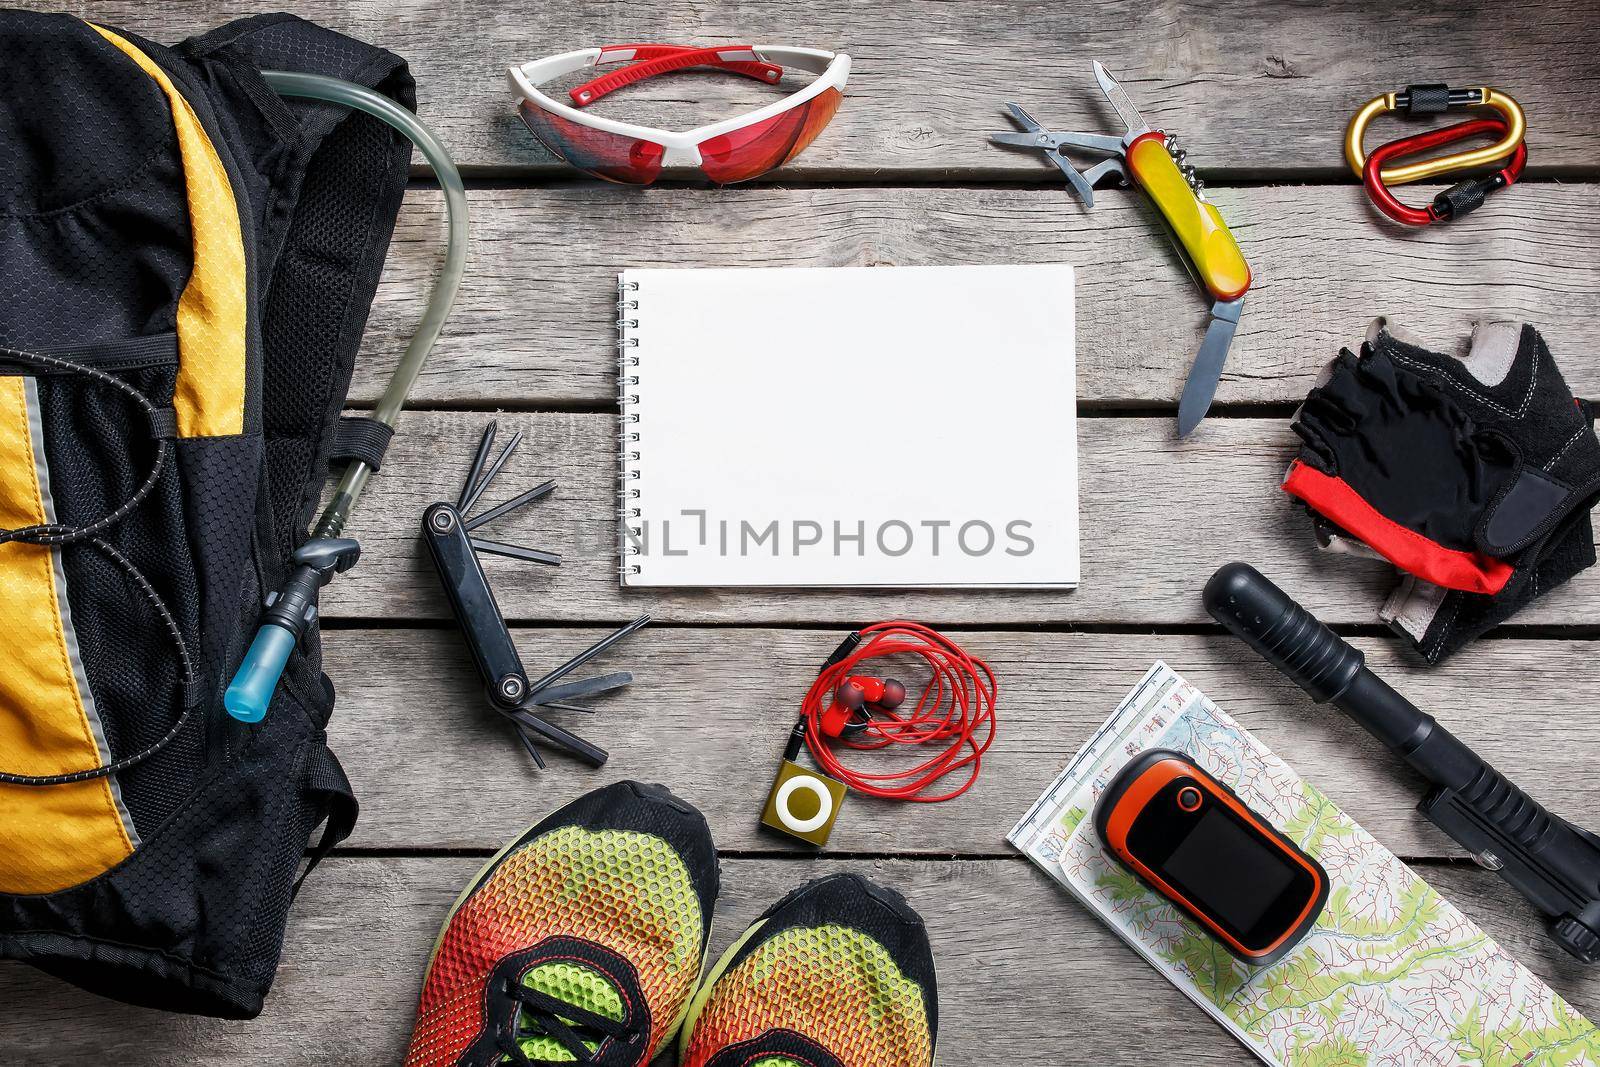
336	182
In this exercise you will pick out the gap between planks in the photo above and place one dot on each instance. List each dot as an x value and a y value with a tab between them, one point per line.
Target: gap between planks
536	331
410	724
1009	856
1252	88
1157	519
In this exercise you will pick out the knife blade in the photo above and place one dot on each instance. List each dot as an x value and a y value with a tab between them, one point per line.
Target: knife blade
1119	99
1201	387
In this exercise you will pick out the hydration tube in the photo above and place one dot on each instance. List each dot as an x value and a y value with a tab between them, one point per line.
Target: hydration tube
290	610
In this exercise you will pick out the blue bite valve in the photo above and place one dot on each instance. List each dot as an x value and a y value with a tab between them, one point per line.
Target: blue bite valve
252	687
290	611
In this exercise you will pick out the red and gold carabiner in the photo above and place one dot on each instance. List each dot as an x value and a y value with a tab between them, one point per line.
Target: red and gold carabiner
1378	172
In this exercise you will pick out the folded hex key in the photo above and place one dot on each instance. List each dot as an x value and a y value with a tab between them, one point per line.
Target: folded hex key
448	530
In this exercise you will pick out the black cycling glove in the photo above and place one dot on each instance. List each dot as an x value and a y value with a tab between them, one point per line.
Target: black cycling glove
1473	476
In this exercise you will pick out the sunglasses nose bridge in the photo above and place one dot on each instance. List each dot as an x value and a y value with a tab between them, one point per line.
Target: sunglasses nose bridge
681	156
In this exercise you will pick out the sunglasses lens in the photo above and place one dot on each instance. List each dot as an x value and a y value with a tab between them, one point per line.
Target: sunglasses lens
752	151
598	152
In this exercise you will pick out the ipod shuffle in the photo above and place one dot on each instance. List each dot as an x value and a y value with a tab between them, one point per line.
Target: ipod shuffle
803	803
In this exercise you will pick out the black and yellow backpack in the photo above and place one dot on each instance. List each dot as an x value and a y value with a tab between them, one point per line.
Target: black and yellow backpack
186	266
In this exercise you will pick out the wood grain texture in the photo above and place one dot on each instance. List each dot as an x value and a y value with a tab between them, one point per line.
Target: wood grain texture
1027	977
709	712
535	322
1255	89
1259	92
1158	517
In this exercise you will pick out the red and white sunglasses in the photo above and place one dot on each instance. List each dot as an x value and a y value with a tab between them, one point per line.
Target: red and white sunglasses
733	150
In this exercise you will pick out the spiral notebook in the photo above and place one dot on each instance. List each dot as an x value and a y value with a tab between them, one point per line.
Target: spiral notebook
823	427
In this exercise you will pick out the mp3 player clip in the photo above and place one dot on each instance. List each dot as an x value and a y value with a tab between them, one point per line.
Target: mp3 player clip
1188	837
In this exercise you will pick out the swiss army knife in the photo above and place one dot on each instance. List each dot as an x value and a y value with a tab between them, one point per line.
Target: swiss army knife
1152	160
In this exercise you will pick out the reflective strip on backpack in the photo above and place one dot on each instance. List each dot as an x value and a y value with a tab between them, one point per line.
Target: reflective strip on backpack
209	396
59	835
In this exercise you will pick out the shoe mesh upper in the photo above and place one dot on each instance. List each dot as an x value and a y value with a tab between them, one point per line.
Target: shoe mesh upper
832	984
626	891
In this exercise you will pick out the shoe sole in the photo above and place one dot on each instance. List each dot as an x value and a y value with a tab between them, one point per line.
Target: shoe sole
649	792
702	996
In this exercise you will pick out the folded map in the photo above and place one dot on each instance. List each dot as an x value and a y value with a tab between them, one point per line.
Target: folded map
1392	973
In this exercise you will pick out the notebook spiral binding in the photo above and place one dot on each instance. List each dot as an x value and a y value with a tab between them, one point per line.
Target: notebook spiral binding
630	535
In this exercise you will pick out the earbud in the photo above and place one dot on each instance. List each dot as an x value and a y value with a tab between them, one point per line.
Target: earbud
843	714
886	693
848	714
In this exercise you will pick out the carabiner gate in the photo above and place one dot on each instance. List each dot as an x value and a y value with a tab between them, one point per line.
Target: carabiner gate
1433	99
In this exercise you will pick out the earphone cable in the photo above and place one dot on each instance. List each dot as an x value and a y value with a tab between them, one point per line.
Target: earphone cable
956	705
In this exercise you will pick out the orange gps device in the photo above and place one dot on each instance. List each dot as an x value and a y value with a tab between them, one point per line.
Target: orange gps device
1189	838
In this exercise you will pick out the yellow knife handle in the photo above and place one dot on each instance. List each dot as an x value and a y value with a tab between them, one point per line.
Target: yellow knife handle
1199	226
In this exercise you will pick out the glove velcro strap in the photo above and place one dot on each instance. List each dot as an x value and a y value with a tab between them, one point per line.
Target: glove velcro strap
1407	549
1540	500
1533	504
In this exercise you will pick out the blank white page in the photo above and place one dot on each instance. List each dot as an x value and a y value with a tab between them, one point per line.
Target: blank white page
874	426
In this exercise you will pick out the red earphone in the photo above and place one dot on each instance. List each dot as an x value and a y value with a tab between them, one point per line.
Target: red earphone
956	710
854	696
887	693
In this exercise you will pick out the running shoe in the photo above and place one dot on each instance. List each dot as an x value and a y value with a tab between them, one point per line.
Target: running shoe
581	942
837	974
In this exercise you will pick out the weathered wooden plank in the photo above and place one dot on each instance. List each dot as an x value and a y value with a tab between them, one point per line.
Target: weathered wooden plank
1253	88
535	321
1158	516
710	710
1026	975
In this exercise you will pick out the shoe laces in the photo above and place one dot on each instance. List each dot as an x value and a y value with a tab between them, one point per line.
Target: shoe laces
575	1029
